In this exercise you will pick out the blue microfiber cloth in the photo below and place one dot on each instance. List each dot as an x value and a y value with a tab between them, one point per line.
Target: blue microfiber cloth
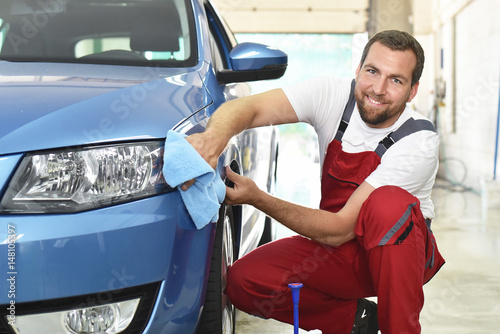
183	163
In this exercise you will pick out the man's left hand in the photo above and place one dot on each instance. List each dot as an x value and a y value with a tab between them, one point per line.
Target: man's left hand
244	191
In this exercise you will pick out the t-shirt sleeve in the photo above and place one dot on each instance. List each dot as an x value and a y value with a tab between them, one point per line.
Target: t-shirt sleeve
411	163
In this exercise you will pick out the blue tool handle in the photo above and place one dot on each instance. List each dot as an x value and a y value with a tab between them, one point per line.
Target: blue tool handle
295	297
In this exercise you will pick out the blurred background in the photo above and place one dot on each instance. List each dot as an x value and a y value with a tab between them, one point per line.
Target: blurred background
459	92
459	88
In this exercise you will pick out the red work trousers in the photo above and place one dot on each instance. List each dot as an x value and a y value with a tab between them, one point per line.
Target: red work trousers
389	259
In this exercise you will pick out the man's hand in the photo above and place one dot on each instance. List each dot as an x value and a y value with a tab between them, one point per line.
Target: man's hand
245	191
202	144
205	147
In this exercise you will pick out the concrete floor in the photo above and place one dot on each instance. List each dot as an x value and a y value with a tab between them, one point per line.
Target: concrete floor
464	297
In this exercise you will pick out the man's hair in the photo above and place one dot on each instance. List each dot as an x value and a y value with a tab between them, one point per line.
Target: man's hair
399	41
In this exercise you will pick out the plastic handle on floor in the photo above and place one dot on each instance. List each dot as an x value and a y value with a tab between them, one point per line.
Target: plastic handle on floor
295	297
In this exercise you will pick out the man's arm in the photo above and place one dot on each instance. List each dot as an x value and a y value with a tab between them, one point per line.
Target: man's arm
273	108
323	226
233	117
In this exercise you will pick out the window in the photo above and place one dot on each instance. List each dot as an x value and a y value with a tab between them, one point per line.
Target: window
222	39
89	46
121	32
2	32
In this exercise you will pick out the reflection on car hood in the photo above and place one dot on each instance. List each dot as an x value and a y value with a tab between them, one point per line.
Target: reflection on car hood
59	105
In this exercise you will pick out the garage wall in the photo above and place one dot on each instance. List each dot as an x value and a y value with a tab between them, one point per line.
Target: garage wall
310	55
295	16
459	88
467	64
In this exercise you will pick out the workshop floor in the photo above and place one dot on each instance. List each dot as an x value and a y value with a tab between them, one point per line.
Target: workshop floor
464	297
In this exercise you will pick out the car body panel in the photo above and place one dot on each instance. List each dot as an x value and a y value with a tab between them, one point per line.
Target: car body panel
111	109
53	106
246	56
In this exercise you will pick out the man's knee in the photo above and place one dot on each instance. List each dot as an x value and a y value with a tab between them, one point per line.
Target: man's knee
391	194
384	210
250	292
235	285
388	204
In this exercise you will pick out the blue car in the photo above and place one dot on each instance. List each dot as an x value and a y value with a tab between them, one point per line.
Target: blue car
92	238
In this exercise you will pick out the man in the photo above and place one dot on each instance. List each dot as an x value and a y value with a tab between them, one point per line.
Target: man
371	235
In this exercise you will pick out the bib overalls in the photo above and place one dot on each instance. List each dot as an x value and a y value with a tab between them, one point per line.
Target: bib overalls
393	255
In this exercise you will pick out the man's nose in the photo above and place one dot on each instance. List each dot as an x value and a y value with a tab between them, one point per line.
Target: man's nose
380	86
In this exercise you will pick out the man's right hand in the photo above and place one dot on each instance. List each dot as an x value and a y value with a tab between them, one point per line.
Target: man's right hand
203	146
206	146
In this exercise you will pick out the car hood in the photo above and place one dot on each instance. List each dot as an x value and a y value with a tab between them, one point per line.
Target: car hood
46	106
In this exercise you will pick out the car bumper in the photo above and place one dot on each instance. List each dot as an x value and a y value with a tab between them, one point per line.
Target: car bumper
110	250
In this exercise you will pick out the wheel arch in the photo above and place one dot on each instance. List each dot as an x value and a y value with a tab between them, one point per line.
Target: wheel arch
232	155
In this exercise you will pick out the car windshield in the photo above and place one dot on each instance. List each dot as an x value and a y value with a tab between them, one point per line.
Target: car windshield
118	32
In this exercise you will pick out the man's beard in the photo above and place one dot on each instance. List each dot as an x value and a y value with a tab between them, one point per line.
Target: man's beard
372	116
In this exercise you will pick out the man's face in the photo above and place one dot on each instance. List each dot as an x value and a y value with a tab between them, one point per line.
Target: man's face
383	85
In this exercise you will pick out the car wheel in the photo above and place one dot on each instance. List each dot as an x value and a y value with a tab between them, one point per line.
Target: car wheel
218	313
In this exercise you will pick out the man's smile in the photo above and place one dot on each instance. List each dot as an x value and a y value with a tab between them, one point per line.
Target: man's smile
374	101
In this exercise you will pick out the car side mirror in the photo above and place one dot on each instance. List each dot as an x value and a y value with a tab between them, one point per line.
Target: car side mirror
253	62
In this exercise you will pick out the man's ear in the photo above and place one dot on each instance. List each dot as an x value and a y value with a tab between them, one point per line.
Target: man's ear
358	69
413	91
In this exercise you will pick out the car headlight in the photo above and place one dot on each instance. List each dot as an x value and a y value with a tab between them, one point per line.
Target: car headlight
103	319
126	311
73	180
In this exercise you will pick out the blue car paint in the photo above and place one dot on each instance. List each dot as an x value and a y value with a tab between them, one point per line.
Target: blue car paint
259	56
149	240
120	246
111	110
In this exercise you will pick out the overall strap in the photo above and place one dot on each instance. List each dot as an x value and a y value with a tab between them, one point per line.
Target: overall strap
410	126
346	116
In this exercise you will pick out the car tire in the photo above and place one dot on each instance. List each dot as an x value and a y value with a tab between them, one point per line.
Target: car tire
218	313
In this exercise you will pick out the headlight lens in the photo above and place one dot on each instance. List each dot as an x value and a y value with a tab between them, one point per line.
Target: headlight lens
75	180
103	319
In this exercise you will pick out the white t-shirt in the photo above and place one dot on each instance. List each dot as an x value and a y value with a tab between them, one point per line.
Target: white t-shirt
411	163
